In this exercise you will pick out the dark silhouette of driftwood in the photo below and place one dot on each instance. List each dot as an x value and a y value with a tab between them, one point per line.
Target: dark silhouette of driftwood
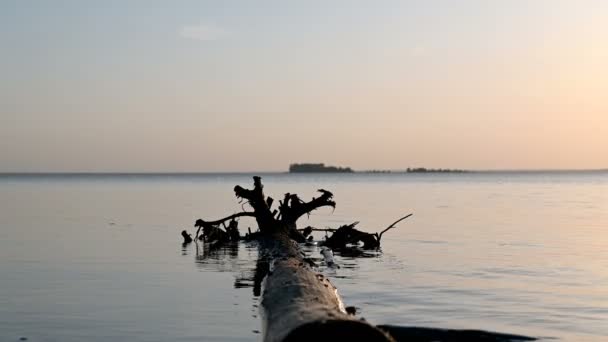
298	304
187	237
379	236
348	235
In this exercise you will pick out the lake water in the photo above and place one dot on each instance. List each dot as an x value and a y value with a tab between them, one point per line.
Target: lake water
99	258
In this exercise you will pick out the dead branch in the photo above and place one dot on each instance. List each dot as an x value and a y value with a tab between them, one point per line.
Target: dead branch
331	230
292	207
379	236
200	223
256	198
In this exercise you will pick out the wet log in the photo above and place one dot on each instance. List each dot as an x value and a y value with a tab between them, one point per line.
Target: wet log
299	304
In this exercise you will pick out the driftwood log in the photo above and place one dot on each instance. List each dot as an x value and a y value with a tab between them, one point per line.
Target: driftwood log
298	304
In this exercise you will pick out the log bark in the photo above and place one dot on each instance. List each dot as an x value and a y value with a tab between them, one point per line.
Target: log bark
299	304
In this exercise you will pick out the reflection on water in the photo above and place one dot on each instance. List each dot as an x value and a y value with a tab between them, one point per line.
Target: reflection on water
253	278
210	256
222	257
251	268
213	254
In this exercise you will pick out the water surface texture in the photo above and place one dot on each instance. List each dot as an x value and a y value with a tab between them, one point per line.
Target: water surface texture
99	257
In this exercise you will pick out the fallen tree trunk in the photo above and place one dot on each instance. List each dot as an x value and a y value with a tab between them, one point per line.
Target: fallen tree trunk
298	304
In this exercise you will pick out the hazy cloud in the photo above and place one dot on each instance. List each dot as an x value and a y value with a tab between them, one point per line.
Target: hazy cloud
419	51
202	32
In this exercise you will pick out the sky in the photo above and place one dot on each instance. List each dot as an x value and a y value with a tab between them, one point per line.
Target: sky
211	86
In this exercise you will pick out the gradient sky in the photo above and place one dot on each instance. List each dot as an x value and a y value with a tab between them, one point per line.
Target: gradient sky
256	85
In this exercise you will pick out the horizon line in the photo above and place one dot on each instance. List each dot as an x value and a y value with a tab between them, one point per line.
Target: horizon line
370	171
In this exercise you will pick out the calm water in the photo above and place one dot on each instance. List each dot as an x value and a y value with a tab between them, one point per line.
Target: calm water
98	258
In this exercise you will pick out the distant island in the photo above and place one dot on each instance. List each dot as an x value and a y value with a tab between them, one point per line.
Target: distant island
322	168
317	167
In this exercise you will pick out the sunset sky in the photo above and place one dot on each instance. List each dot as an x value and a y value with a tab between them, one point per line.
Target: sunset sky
152	86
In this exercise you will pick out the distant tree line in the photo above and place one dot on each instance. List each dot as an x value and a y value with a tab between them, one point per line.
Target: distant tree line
317	167
423	170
